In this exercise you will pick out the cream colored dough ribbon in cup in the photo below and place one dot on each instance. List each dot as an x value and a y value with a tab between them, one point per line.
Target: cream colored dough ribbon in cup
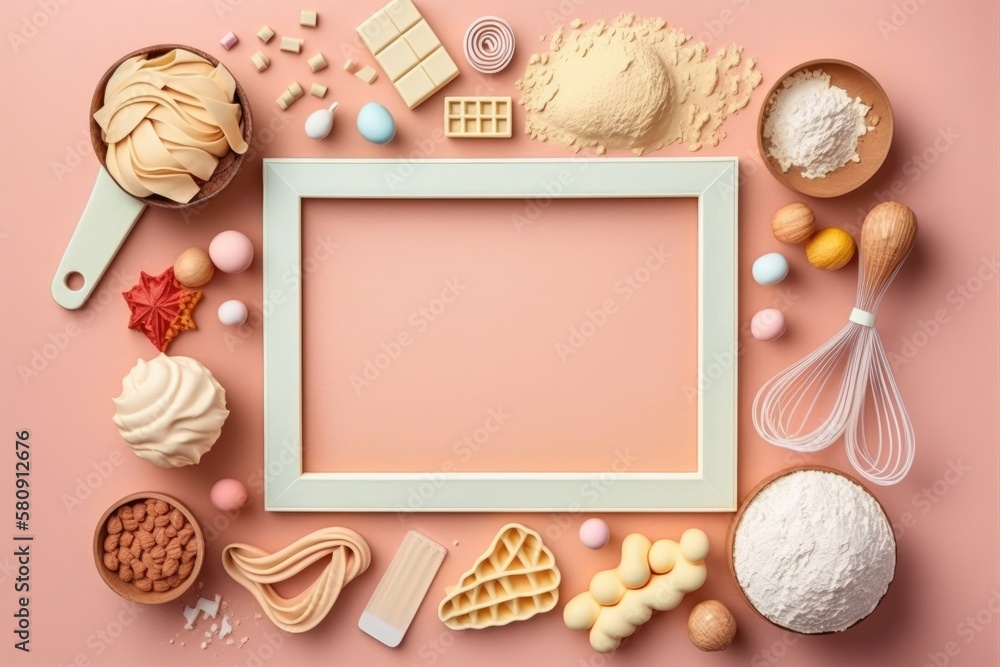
170	126
258	571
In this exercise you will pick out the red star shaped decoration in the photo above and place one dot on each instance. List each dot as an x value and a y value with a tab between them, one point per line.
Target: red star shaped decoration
161	307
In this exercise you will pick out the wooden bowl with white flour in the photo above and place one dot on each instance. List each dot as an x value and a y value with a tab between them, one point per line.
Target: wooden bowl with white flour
825	128
812	550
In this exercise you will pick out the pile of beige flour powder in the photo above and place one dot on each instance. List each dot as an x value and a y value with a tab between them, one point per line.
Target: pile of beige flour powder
632	84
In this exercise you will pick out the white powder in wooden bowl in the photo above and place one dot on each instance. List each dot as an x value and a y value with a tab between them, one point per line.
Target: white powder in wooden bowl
632	84
814	125
814	552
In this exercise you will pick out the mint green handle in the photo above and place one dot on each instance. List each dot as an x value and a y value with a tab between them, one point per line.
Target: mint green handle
103	227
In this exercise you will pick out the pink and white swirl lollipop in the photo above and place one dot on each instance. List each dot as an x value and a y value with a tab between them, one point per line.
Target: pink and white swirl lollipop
489	44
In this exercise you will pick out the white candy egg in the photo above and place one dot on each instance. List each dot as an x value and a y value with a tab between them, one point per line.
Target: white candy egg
233	312
319	124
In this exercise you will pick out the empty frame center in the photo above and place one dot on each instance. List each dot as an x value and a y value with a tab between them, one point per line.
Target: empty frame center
500	335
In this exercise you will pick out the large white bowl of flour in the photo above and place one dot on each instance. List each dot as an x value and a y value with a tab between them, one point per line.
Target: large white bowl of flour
812	550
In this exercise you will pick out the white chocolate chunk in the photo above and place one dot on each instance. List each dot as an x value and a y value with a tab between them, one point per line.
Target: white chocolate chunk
367	74
317	62
308	18
292	44
260	61
265	34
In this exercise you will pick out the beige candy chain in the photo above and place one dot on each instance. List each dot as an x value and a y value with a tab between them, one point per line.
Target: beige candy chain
652	576
256	570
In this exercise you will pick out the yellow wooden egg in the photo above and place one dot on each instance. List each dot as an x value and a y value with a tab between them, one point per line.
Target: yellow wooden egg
830	248
794	223
711	626
194	268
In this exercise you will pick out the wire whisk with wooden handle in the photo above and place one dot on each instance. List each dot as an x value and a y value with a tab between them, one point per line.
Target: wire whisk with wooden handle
783	407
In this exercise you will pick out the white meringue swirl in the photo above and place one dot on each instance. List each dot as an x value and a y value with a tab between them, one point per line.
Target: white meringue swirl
171	410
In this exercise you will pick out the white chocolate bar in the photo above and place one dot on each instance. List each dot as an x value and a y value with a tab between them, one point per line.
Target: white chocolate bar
402	588
408	51
477	117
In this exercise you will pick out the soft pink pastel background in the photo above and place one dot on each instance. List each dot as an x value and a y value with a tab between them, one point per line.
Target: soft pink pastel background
940	70
494	347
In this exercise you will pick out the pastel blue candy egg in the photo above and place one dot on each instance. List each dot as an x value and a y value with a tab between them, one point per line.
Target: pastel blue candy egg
375	123
770	268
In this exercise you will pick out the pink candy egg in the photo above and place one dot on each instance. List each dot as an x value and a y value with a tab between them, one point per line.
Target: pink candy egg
231	252
767	324
228	494
595	533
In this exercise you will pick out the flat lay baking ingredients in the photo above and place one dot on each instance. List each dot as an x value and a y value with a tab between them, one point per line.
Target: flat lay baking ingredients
281	151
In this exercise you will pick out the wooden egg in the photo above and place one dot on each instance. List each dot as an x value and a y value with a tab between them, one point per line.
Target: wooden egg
711	626
794	223
194	268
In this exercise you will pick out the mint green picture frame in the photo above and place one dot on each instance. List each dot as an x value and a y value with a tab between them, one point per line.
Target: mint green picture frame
712	181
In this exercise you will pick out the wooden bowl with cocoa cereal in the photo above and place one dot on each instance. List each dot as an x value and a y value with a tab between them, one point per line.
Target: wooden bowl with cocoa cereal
169	542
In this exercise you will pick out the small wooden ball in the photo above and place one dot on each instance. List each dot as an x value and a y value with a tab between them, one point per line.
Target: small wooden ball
711	626
794	223
194	268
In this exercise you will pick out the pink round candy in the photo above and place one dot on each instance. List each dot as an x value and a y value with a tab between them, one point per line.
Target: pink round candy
229	40
231	252
229	494
489	44
595	533
767	324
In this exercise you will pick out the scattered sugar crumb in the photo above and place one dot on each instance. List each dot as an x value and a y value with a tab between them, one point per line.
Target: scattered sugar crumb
204	645
576	23
183	644
243	640
258	616
229	642
455	543
171	641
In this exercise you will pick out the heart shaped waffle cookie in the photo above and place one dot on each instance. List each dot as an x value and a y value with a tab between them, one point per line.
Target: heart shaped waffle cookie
515	579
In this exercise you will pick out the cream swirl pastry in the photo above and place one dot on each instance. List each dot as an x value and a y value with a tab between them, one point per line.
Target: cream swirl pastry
167	121
171	410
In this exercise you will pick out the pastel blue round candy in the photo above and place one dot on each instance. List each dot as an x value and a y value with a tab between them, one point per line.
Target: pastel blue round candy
375	123
770	268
